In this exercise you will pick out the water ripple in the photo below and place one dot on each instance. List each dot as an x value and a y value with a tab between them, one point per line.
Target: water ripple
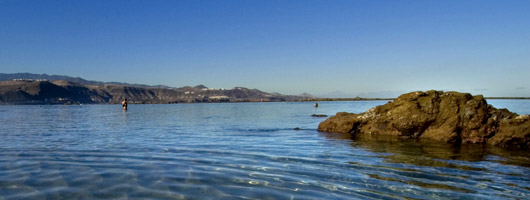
157	153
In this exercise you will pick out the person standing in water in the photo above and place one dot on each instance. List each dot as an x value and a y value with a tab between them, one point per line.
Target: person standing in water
316	105
124	104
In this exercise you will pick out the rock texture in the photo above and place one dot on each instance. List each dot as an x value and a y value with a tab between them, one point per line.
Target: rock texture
444	116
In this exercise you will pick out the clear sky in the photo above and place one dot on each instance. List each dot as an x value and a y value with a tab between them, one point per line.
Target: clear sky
348	48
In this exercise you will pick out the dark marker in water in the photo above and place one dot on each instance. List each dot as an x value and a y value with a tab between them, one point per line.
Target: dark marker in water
124	104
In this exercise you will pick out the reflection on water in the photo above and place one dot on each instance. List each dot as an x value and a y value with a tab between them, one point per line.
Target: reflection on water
466	168
235	151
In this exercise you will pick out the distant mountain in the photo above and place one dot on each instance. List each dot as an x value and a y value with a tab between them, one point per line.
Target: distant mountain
336	94
9	77
200	87
25	88
306	95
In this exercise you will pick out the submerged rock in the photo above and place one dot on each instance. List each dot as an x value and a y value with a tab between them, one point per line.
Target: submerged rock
318	115
443	116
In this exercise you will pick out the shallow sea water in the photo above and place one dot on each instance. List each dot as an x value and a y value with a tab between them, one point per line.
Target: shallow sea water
238	151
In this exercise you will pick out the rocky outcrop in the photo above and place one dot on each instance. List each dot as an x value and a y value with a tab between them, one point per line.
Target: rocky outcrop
435	115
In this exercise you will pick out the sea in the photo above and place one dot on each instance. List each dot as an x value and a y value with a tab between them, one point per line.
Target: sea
238	151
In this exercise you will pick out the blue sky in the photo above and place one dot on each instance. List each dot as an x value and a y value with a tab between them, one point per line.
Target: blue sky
347	48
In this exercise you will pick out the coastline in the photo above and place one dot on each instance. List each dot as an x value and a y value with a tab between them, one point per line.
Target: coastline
391	99
240	101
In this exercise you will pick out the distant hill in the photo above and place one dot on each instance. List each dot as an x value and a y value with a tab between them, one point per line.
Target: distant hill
9	77
26	88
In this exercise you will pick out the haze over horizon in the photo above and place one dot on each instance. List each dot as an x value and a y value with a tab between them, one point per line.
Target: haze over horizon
324	48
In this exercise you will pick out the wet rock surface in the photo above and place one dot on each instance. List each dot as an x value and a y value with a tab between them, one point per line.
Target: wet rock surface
451	117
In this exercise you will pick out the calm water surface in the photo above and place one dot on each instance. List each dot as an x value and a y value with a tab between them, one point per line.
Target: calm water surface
237	151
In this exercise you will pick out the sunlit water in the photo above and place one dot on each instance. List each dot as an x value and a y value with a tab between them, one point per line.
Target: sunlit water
237	151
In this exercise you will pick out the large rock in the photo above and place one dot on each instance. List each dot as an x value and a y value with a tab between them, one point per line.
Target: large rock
444	116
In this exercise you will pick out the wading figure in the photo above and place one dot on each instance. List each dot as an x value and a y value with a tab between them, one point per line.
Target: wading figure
124	104
316	105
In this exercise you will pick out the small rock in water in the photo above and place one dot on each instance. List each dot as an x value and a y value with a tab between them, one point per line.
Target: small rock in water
318	115
297	128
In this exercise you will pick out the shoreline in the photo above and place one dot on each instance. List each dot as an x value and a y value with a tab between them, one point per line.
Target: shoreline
390	99
302	100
